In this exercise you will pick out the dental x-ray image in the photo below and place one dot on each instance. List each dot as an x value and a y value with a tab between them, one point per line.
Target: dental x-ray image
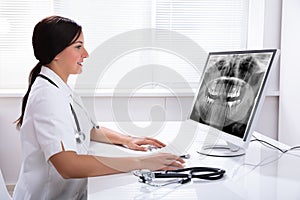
229	90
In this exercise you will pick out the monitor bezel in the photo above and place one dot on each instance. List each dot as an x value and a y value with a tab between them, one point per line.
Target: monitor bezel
238	141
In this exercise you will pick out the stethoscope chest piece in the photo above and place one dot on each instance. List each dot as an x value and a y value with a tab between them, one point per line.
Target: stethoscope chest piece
80	137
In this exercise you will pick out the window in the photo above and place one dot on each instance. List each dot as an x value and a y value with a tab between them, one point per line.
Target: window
215	25
16	55
212	24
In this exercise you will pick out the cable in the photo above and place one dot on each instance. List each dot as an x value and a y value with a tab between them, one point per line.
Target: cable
268	160
267	144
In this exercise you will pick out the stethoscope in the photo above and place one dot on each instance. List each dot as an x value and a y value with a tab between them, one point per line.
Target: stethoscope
79	135
185	175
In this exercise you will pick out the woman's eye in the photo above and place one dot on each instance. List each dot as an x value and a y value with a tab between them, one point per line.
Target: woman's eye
78	47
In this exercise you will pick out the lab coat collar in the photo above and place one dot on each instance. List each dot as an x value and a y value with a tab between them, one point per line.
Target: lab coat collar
57	80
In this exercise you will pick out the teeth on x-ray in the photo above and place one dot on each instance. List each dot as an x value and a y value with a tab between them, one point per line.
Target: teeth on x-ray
228	90
209	100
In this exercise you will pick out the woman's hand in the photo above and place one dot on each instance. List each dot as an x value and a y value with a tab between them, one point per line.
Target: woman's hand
161	161
106	135
138	144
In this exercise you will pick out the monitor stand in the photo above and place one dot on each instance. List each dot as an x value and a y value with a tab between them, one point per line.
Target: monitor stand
229	150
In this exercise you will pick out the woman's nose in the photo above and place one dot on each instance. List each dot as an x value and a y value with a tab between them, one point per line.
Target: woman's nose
85	54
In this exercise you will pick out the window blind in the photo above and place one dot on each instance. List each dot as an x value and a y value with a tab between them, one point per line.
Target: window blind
215	25
212	24
100	20
16	55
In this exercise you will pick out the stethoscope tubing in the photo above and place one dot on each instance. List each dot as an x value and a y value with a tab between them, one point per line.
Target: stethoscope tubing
210	173
78	129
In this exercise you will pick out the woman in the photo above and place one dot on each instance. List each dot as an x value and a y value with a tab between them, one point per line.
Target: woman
54	142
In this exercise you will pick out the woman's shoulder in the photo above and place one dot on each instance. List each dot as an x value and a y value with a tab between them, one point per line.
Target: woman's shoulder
48	93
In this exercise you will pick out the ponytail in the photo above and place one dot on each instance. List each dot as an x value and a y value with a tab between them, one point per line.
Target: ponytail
32	76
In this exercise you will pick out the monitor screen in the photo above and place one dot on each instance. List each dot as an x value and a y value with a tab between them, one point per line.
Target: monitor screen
231	90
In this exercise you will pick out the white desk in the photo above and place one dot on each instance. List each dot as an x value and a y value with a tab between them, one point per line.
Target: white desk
262	173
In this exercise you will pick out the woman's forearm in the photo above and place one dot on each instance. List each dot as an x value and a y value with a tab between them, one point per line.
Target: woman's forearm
106	135
71	165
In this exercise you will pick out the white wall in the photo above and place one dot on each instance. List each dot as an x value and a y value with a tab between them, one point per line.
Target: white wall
289	131
10	147
265	32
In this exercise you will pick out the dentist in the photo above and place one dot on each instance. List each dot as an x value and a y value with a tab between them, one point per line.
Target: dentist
55	135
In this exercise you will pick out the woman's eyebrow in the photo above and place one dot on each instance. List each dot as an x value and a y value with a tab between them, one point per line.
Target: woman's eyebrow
78	42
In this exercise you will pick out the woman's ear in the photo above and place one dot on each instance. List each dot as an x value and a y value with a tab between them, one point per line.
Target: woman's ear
56	57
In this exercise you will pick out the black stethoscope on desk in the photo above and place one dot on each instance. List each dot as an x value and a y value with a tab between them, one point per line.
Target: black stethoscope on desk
79	135
185	175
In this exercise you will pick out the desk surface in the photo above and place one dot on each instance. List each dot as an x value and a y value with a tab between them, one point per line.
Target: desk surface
263	173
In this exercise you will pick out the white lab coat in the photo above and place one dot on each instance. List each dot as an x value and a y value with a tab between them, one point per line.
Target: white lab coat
47	125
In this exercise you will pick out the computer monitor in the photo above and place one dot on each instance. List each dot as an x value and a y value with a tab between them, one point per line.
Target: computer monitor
230	96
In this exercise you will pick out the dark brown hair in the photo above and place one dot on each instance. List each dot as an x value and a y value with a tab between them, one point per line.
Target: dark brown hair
50	36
